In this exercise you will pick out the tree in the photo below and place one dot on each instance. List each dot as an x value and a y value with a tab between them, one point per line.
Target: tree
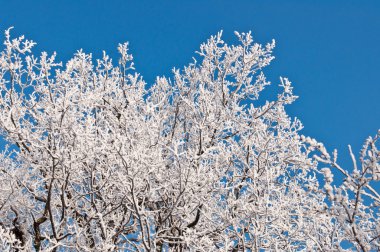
96	160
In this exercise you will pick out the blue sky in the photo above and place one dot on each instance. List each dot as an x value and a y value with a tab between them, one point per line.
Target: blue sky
330	50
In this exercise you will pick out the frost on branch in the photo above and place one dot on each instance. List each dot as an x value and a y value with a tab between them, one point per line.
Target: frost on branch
96	161
355	204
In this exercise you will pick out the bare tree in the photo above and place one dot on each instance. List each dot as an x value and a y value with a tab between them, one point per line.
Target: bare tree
96	160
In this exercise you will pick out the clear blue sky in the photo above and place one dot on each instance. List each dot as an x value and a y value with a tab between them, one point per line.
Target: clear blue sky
330	50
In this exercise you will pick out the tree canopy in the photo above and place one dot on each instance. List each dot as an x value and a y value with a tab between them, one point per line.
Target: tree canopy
97	160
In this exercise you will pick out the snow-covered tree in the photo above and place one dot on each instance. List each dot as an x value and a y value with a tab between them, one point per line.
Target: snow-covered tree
96	160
